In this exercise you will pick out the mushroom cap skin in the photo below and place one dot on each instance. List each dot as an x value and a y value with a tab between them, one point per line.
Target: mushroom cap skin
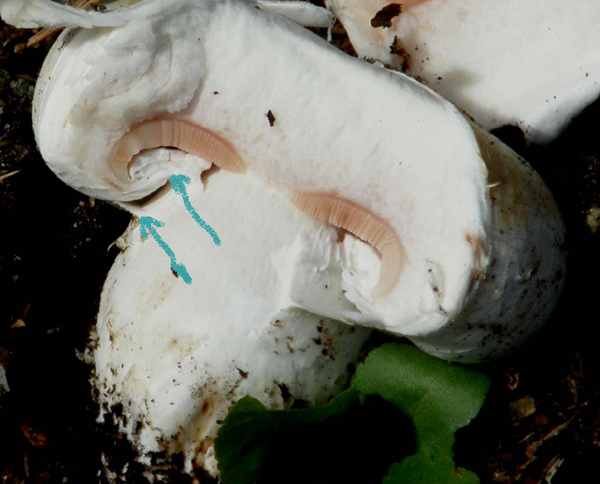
177	356
477	227
533	64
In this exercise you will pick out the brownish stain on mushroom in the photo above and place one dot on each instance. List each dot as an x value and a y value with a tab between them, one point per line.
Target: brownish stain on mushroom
206	445
479	255
207	406
205	424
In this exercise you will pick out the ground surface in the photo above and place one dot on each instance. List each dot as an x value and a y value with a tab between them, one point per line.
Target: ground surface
540	422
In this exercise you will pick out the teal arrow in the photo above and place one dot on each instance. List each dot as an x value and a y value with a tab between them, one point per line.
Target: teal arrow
178	183
148	226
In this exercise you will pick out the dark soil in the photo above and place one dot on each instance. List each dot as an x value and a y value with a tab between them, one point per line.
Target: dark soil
54	256
541	420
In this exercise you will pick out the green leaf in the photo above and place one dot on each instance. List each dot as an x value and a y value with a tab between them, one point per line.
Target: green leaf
438	397
403	406
250	432
344	441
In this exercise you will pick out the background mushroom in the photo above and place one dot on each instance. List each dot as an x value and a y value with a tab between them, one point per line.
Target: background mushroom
531	64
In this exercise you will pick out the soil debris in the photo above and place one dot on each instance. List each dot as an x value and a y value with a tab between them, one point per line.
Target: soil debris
383	18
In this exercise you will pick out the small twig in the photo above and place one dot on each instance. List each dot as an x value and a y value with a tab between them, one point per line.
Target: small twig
41	35
8	175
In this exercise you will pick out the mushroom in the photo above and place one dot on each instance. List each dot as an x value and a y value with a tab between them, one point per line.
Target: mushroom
533	64
341	192
465	233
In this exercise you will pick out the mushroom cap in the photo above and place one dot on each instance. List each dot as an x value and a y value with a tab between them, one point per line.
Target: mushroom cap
533	64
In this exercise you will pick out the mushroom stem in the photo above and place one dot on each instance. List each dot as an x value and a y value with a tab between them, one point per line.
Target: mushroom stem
364	224
174	133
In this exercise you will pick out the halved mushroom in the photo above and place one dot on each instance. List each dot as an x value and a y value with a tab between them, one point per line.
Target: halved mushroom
533	64
461	246
458	217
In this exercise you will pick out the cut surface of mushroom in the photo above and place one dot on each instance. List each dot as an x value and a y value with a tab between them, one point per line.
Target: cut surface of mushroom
174	133
405	166
362	223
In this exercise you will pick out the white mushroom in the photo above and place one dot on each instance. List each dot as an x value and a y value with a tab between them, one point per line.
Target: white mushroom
467	232
531	63
451	239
